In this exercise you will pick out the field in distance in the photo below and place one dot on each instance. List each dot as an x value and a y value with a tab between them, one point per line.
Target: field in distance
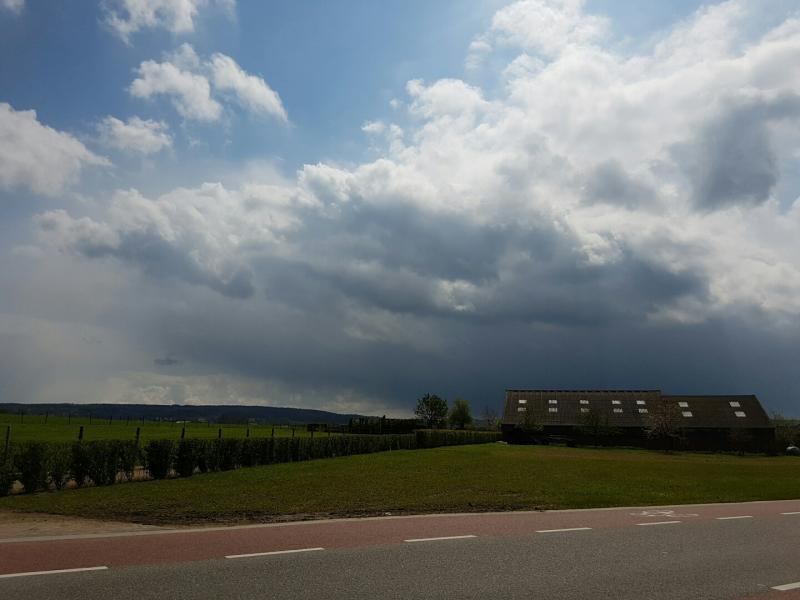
34	428
460	478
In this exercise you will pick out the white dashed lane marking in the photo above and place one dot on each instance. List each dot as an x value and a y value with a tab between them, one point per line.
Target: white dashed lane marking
792	513
787	586
565	529
274	552
737	517
436	539
660	523
53	572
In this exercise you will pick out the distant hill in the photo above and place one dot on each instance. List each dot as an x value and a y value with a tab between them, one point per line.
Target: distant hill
185	412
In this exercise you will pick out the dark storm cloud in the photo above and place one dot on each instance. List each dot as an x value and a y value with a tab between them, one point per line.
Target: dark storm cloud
733	162
609	183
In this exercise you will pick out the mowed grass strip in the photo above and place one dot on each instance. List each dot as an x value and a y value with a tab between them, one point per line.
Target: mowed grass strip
463	478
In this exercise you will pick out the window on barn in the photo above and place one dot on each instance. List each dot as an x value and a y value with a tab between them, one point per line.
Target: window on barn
740	414
553	401
686	413
683	404
616	402
642	411
584	402
553	410
584	410
735	404
521	409
640	402
523	401
617	410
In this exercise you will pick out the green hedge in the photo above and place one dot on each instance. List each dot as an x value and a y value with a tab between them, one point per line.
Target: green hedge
38	465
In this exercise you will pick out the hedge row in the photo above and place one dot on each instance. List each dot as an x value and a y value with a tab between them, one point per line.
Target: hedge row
40	465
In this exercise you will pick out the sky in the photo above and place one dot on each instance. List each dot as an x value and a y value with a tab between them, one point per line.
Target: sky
347	205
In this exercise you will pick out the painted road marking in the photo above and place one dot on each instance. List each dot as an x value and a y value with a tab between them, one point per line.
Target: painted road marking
792	513
660	523
669	514
29	573
739	517
787	586
435	539
274	552
566	529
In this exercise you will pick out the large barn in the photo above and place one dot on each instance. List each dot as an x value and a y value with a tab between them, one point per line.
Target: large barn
626	416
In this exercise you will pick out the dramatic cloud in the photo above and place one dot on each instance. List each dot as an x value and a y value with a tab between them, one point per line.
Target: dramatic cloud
126	17
141	136
599	218
38	157
187	81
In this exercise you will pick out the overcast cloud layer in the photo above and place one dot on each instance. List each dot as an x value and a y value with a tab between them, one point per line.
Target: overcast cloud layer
576	211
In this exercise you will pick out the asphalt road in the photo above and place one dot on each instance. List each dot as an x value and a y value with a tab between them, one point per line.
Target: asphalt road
712	551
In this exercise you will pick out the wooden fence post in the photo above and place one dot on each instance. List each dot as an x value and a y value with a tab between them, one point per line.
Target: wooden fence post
8	442
248	433
219	434
292	432
183	432
80	434
45	418
273	431
138	432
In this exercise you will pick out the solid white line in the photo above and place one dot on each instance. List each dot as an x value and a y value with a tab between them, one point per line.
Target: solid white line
660	523
566	529
436	539
274	552
730	518
29	573
787	586
792	513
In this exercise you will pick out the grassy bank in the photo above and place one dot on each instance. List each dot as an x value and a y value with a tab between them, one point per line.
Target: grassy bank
464	478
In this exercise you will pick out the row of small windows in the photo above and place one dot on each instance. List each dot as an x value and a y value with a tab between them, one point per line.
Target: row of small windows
642	411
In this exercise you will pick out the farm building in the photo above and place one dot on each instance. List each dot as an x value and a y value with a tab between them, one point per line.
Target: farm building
627	416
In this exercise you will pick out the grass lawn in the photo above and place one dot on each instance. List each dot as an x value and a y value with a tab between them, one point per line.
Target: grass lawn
461	478
33	428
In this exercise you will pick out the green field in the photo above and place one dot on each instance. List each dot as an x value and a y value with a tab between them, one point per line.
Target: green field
461	478
34	428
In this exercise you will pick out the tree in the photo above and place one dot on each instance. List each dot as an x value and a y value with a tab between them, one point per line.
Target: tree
596	425
460	414
432	410
529	424
664	424
490	416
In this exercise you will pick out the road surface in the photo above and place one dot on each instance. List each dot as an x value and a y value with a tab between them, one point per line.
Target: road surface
749	550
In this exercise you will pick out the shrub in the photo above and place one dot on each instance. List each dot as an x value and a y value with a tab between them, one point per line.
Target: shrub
59	463
159	457
229	451
432	438
8	475
186	457
104	461
129	456
80	463
31	463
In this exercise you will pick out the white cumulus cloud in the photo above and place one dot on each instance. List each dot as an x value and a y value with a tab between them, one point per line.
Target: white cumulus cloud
39	157
136	135
251	91
195	86
126	17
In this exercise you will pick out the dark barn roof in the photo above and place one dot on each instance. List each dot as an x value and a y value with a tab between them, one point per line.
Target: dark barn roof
632	408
